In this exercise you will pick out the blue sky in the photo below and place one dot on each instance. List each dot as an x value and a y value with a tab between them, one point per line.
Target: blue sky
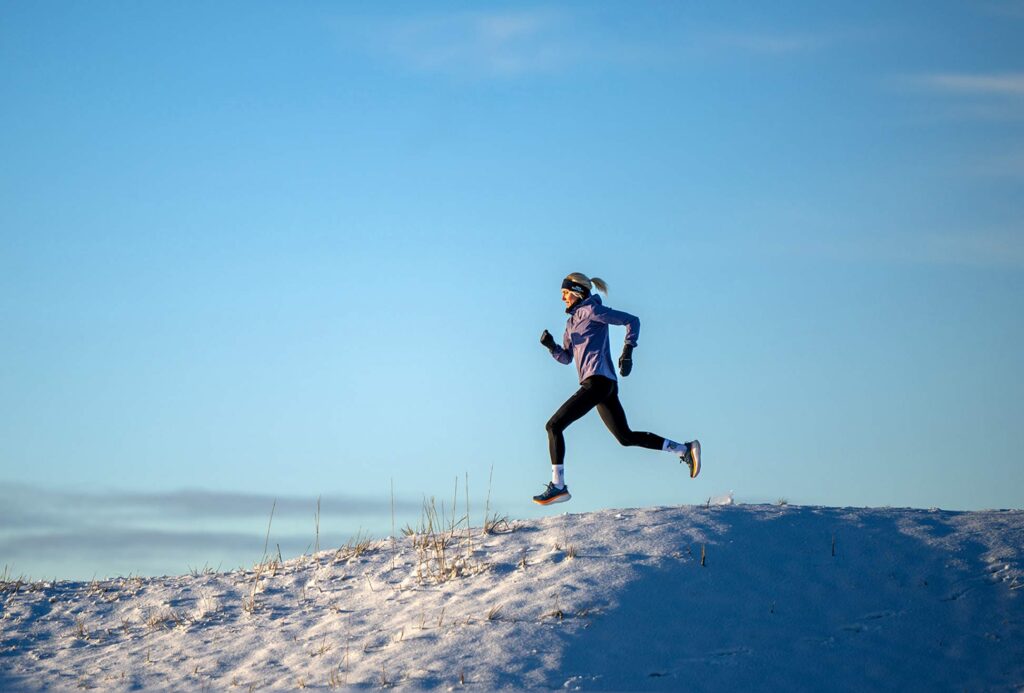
264	251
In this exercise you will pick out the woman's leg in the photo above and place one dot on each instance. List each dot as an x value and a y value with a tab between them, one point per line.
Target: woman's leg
592	391
614	418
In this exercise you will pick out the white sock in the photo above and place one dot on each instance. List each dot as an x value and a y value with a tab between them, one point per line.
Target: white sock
558	475
674	447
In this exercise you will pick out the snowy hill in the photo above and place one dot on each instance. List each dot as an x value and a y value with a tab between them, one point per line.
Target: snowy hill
697	598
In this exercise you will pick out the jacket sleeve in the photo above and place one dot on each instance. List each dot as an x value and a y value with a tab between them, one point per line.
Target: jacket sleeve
610	316
563	354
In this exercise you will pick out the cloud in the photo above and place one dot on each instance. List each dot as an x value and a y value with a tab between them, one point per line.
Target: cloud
519	43
14	517
126	542
48	525
505	44
27	505
63	528
994	84
990	112
993	97
978	249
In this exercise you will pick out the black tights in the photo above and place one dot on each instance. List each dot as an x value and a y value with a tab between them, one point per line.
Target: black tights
603	393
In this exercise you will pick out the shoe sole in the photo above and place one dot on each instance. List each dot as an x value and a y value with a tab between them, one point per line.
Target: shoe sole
695	456
556	499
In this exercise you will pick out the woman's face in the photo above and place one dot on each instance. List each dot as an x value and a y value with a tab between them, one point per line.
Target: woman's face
569	298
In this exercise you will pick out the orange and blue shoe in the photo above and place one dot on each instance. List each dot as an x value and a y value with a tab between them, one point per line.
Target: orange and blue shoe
692	458
552	494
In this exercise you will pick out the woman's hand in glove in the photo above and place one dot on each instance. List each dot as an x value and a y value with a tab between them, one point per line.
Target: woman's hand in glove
547	340
626	360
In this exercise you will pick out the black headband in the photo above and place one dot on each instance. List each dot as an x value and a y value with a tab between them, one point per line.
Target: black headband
573	286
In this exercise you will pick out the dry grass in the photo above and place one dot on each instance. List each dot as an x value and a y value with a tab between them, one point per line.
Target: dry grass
130	586
166	618
498	525
261	571
249	604
324	648
267	567
205	570
557	612
205	606
384	682
97	589
443	551
356	547
11	586
334	679
495	524
316	524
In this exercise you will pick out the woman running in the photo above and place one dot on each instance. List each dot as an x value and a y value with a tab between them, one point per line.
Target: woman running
586	342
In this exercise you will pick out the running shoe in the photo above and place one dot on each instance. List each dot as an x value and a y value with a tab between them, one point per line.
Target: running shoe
552	494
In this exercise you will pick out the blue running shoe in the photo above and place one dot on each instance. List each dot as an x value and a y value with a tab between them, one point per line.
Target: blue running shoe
552	494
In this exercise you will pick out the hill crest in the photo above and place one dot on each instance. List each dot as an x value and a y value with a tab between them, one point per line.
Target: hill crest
705	597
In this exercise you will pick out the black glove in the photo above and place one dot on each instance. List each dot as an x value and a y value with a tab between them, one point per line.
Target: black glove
547	340
626	360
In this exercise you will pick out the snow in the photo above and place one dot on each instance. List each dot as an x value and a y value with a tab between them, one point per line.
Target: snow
712	597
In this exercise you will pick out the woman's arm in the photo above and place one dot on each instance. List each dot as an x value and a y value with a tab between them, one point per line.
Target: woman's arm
610	316
563	354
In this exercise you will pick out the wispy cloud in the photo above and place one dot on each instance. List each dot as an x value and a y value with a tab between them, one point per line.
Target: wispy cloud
528	42
28	505
993	84
117	542
484	43
979	249
14	516
990	97
62	527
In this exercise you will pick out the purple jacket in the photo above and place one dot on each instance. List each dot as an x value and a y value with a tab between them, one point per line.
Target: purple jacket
586	337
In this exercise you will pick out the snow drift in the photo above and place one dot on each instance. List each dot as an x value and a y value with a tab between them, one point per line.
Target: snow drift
702	598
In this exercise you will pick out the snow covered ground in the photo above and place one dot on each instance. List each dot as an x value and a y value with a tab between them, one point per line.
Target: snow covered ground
698	597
